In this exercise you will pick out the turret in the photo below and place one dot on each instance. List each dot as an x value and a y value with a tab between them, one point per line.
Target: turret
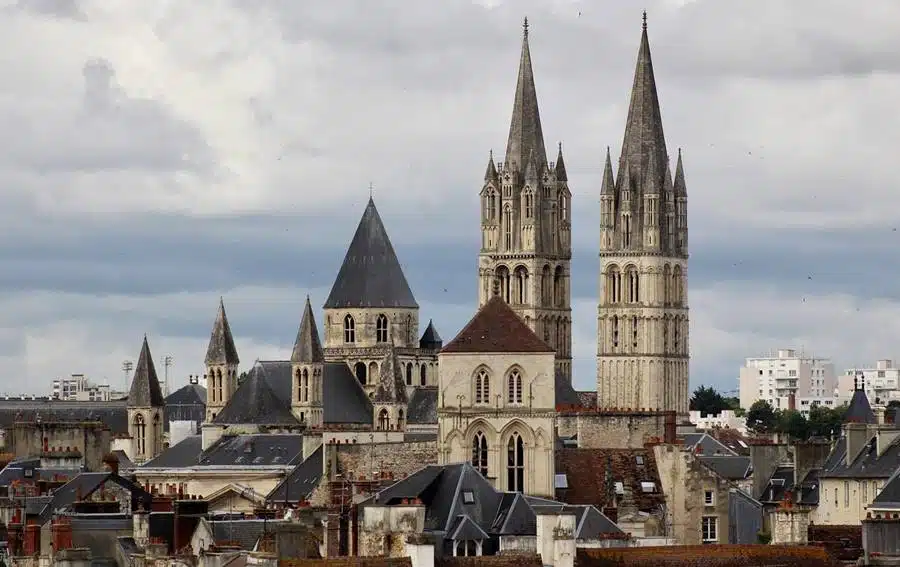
145	409
221	365
308	370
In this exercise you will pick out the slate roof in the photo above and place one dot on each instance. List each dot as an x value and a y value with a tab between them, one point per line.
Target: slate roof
866	465
889	497
187	403
181	455
145	390
84	485
561	174
221	349
781	481
566	395
708	444
258	449
807	492
343	398
113	414
371	275
431	340
587	481
458	500
731	438
391	386
245	533
526	137
496	328
859	410
301	482
422	406
729	467
256	403
307	347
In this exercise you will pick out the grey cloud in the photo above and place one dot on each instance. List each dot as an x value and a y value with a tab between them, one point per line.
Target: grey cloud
68	9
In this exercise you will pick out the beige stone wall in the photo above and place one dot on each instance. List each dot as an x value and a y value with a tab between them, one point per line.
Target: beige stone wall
383	529
217	398
843	502
91	439
612	430
369	460
684	482
206	483
153	425
789	526
403	326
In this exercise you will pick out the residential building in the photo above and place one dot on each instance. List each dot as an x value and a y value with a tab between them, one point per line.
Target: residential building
78	388
724	419
786	374
881	383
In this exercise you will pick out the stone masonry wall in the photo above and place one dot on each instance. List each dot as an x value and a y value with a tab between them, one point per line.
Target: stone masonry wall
612	430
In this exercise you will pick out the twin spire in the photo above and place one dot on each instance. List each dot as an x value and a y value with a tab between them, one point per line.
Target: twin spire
526	138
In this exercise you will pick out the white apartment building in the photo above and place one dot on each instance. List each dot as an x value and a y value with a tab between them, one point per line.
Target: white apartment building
725	419
881	383
788	377
78	388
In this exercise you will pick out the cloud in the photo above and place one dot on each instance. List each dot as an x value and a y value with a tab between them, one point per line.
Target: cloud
160	154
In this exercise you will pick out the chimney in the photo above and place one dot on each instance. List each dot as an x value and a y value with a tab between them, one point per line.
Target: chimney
420	550
140	522
14	534
32	544
62	534
112	463
792	402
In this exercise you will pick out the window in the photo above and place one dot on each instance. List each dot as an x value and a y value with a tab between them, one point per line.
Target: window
140	431
482	387
514	388
400	420
480	453
864	486
490	205
515	464
709	498
349	329
507	226
615	331
304	386
529	204
468	497
384	421
423	374
381	329
710	529
846	494
634	332
639	459
409	374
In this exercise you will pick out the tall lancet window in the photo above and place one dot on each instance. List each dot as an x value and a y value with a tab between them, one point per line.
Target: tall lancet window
349	329
480	453
304	385
140	431
381	329
515	464
507	227
529	204
514	388
615	331
482	387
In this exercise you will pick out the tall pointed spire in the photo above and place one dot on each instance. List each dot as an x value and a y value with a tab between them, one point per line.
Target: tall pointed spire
221	349
609	182
643	129
680	186
525	134
145	391
490	173
307	347
561	174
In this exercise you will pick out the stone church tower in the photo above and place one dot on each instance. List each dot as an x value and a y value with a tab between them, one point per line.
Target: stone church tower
221	365
307	369
145	409
526	226
642	319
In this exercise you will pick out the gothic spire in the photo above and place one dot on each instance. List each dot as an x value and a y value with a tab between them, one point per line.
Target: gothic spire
525	134
221	349
643	129
307	347
145	391
561	174
491	173
609	182
680	187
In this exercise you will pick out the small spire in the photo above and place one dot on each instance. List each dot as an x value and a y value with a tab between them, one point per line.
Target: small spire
525	26
609	183
371	190
491	173
644	24
561	174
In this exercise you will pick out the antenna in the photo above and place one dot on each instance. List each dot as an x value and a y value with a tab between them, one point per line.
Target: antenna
127	366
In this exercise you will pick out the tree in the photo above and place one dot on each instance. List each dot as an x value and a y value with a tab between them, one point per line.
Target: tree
708	401
793	424
826	422
761	418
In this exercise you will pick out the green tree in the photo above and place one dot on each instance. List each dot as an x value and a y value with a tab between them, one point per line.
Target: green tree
707	401
826	422
241	377
761	418
793	424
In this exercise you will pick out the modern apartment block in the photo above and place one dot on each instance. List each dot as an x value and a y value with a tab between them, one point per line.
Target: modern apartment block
881	384
78	388
788	379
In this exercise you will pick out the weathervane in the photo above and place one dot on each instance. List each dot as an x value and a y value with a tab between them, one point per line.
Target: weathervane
525	26
644	25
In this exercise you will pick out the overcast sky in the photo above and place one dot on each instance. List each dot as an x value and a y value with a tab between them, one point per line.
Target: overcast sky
159	154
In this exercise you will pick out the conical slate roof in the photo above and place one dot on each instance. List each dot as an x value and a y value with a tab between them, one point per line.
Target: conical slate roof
859	410
526	138
391	387
561	166
145	391
496	328
255	403
307	347
371	275
644	130
679	184
430	338
221	349
609	183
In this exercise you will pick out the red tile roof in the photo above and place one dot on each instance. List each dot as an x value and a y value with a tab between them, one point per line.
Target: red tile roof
705	556
496	328
585	471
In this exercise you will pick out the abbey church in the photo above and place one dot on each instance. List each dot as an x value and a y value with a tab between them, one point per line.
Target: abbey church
368	378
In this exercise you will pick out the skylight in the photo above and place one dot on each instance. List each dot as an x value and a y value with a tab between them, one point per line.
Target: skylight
562	481
468	497
648	487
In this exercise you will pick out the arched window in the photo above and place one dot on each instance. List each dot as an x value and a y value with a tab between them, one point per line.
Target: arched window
409	374
480	453
504	280
507	227
632	281
490	205
400	420
559	291
634	332
384	422
140	432
305	386
563	206
482	387
514	388
528	199
381	329
676	337
613	285
626	229
667	285
615	331
521	285
515	464
360	370
221	385
677	286
423	375
349	329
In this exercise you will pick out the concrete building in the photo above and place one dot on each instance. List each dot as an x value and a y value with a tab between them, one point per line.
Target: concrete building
881	383
77	388
785	373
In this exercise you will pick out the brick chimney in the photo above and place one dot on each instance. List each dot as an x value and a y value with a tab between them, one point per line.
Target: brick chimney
112	463
14	531
62	534
32	544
